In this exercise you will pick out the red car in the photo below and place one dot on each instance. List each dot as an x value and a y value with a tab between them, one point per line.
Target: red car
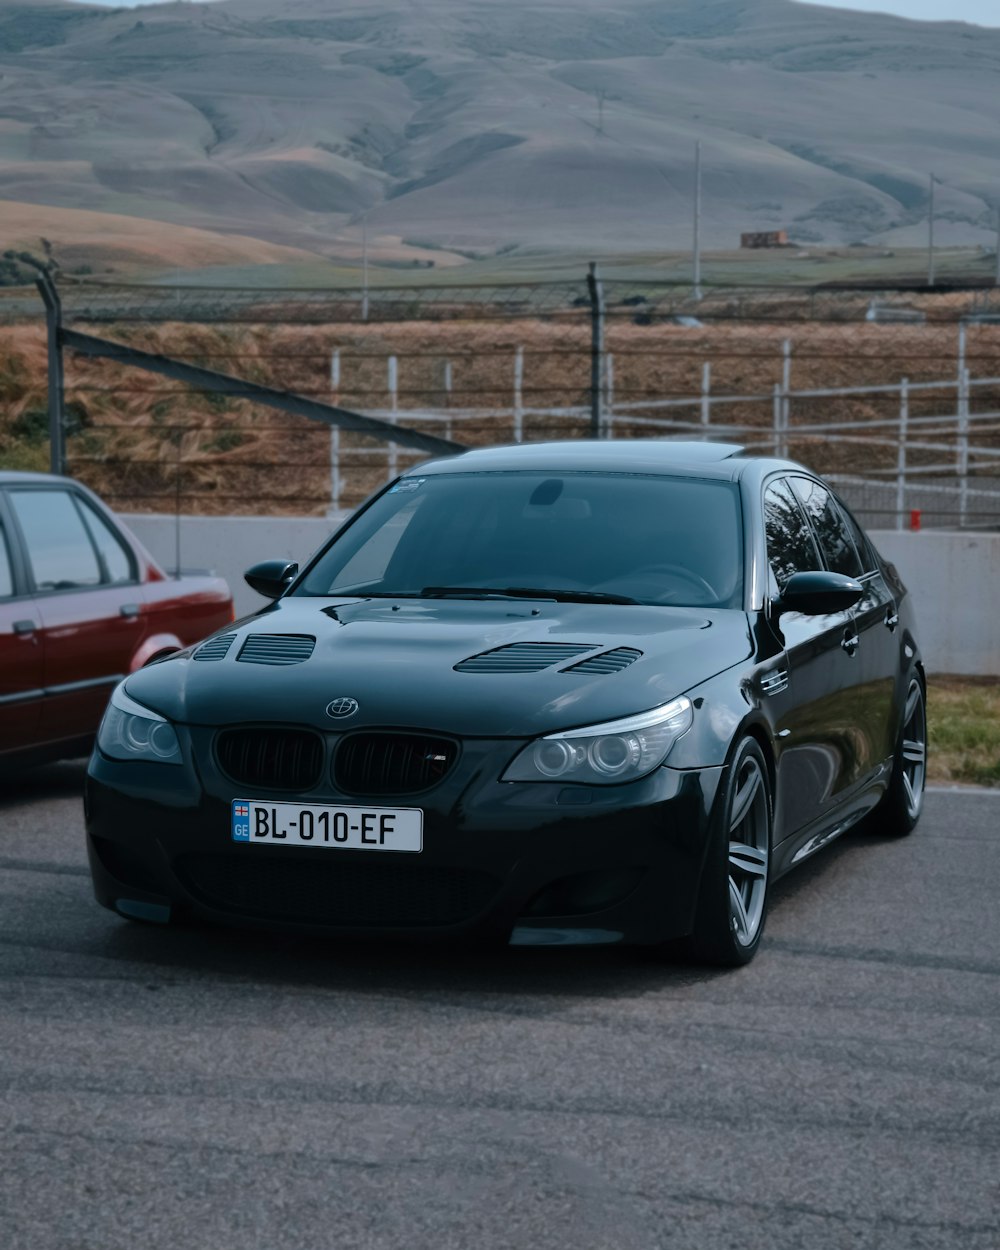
82	604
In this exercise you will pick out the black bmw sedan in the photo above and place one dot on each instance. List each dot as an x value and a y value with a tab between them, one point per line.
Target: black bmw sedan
565	692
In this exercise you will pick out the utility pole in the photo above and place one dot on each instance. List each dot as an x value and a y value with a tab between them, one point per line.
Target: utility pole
930	237
696	292
601	95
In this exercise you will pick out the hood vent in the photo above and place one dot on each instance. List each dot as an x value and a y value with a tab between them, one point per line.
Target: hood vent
523	657
215	648
607	661
276	649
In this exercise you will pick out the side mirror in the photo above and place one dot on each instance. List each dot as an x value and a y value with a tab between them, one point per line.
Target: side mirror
819	593
271	578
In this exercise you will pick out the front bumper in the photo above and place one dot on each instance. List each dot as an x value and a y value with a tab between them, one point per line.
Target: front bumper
537	861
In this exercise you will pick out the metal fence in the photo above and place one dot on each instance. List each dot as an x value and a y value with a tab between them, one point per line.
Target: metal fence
895	395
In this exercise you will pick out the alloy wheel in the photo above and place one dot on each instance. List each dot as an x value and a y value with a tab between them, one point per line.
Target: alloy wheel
749	837
914	750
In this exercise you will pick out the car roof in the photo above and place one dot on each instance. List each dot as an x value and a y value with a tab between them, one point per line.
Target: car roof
10	477
632	455
726	461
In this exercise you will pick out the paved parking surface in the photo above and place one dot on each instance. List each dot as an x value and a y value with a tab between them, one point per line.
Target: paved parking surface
221	1091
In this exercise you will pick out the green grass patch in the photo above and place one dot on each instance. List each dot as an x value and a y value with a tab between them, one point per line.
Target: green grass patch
964	730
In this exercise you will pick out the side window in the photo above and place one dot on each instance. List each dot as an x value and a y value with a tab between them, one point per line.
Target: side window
6	576
115	556
830	526
790	545
864	547
60	552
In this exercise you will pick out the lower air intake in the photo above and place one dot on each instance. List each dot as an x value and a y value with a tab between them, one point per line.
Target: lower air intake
381	896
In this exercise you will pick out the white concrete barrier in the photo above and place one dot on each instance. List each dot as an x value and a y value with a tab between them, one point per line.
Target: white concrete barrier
954	578
955	583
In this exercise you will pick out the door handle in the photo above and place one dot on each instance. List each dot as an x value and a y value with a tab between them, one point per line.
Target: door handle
129	610
24	628
850	643
891	619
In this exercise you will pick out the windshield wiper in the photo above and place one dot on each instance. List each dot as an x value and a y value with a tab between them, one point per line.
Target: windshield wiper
522	592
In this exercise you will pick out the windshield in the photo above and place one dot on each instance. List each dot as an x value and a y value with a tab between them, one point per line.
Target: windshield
597	537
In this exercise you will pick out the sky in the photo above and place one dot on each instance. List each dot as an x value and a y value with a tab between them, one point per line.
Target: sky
985	12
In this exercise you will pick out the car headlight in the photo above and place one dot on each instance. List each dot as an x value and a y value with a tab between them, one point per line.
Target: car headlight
130	731
608	754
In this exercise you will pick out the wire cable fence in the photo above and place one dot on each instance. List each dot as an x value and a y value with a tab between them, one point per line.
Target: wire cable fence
894	394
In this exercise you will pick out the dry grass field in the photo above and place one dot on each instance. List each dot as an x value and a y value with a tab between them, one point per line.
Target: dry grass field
158	444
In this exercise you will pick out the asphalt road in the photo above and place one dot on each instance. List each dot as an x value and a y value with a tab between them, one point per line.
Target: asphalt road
211	1090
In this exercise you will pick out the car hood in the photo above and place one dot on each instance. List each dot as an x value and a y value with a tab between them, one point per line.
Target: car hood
398	657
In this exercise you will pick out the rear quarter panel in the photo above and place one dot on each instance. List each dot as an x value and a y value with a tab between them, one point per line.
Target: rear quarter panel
181	612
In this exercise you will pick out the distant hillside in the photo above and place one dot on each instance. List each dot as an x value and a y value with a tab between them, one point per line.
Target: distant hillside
489	124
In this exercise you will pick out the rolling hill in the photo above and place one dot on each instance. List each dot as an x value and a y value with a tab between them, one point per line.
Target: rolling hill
478	125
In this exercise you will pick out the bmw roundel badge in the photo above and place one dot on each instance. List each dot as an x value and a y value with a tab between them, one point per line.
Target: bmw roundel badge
339	708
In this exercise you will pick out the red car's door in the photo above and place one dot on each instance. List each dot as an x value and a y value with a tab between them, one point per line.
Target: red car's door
21	652
88	600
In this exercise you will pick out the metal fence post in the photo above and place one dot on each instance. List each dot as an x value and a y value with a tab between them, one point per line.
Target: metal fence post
963	449
904	417
706	396
609	395
786	396
394	405
596	350
518	394
335	434
447	397
961	352
962	424
776	419
56	376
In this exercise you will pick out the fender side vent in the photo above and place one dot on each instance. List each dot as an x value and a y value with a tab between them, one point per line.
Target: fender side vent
276	649
607	661
523	657
215	648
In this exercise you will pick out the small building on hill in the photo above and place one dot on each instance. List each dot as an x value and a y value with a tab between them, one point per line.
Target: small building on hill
765	238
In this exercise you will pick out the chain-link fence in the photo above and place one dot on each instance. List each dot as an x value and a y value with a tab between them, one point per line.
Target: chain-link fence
895	395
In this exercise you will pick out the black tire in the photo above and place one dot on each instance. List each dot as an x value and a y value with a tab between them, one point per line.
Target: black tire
732	901
899	809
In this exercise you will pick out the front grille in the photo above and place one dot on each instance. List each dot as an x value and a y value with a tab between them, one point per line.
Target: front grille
523	657
378	895
273	759
276	648
215	649
607	661
391	763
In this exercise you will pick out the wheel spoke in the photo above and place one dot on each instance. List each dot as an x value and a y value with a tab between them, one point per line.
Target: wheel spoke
910	796
744	799
912	699
749	860
914	751
738	912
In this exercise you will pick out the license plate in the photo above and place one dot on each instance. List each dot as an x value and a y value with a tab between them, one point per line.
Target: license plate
336	828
